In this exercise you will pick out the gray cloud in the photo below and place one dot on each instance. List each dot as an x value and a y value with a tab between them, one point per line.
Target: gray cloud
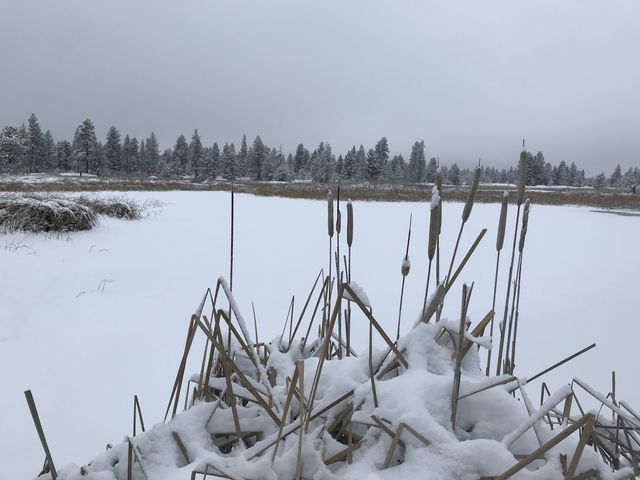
470	78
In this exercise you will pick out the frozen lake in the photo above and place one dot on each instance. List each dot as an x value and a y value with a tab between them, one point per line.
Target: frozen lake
84	350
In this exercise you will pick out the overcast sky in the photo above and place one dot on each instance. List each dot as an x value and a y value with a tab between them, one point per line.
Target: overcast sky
471	78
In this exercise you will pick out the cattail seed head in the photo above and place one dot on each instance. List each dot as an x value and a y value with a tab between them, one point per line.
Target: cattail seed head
338	222
522	176
438	182
525	224
349	223
434	222
330	214
406	266
472	195
502	223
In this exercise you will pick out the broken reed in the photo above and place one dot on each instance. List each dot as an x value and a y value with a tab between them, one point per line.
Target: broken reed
502	225
522	181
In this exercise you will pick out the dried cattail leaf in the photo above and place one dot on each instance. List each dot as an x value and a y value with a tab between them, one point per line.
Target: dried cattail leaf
502	223
525	223
349	223
472	194
330	213
434	222
522	176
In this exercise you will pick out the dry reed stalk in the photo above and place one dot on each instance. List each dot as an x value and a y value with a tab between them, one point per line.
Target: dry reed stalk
287	404
304	309
371	372
522	180
232	221
515	306
502	225
330	220
438	183
347	318
137	413
466	296
406	266
36	421
466	212
338	272
300	366
434	233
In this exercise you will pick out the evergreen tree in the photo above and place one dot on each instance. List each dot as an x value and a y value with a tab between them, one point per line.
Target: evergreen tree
417	163
49	150
85	146
617	180
322	164
12	148
361	164
432	168
301	161
377	162
195	153
64	156
454	174
215	167
133	155
600	180
35	145
113	150
242	168
228	161
153	154
350	166
373	169
397	169
257	159
180	156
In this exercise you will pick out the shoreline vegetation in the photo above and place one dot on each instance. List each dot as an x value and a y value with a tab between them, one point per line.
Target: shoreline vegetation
605	198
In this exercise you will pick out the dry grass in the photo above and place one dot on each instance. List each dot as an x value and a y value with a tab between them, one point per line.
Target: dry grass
59	214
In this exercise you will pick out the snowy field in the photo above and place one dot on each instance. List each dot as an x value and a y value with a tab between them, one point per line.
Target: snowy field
89	320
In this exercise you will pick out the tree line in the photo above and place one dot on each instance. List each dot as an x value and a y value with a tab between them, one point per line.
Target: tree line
27	149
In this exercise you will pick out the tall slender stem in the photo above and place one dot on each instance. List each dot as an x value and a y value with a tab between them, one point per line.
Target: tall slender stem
506	302
493	308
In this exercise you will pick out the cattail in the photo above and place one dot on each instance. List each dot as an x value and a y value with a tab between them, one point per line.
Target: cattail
349	223
502	223
406	266
338	222
522	176
525	223
330	213
438	182
434	222
472	195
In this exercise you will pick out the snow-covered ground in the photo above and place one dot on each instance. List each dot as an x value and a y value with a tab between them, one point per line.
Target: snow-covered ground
89	320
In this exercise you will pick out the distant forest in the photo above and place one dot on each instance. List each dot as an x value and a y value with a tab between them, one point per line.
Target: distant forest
26	149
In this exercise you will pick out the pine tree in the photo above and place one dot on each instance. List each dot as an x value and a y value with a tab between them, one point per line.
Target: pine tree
454	174
257	158
12	148
195	153
242	159
617	180
301	161
397	170
113	150
153	154
133	155
49	151
322	164
349	166
377	162
600	180
373	170
228	162
64	156
180	156
430	172
35	145
85	146
417	163
215	167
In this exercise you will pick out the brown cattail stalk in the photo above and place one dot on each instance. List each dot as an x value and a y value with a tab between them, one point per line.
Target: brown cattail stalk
338	272
522	180
502	225
438	182
466	212
516	307
347	319
406	266
330	221
434	222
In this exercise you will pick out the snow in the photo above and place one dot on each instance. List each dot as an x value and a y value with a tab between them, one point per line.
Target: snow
84	356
